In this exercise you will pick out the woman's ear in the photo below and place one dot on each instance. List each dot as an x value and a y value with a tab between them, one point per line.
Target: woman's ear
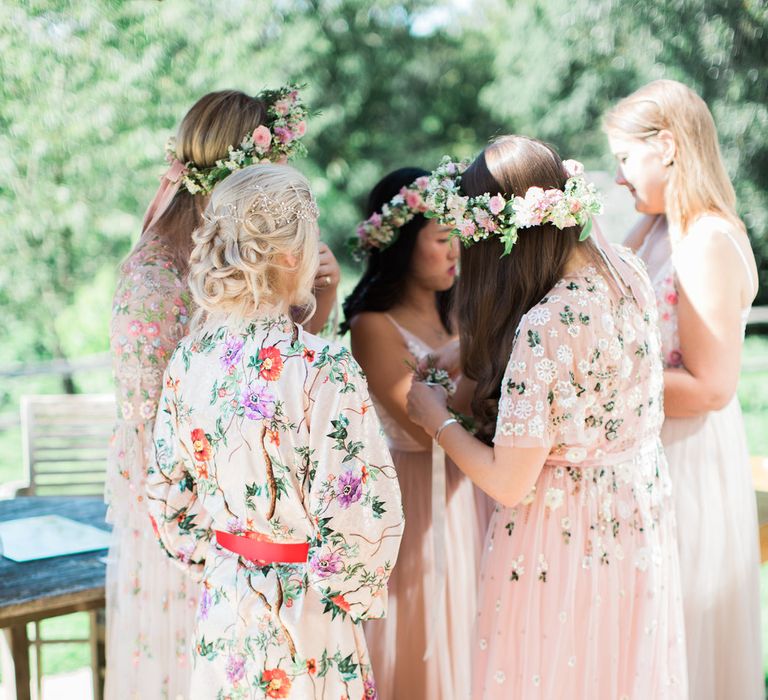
668	145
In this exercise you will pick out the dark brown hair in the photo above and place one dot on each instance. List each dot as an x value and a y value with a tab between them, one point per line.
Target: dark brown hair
215	122
493	291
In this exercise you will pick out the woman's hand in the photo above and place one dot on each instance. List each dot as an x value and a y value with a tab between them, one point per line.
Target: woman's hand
427	406
448	357
328	272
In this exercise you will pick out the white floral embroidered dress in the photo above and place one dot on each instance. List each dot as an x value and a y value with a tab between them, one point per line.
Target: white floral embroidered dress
150	602
267	429
716	514
580	591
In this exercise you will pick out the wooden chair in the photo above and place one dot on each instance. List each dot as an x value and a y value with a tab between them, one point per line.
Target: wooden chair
65	440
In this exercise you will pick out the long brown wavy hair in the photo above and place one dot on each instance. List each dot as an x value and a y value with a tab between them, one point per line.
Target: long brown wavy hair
493	291
215	122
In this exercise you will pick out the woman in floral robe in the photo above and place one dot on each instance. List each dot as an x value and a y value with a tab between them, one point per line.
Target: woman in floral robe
266	433
150	602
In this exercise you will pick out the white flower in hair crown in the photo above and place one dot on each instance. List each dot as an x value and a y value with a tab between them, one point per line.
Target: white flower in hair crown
474	219
380	229
277	138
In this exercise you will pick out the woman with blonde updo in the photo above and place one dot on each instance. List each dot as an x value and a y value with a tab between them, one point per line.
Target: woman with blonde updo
150	602
704	275
272	483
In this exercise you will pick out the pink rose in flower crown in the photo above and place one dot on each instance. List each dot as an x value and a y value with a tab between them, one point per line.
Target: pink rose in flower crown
528	210
262	137
467	228
282	107
413	200
484	220
375	220
573	168
301	128
497	204
423	182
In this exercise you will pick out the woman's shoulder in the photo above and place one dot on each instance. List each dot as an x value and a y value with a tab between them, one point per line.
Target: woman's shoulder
150	255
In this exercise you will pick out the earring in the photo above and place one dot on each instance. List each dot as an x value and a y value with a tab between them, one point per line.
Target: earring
667	163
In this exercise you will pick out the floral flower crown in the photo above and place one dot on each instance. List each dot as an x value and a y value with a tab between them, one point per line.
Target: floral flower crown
277	138
380	229
477	218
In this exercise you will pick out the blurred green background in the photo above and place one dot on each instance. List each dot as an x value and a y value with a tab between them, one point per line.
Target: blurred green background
90	90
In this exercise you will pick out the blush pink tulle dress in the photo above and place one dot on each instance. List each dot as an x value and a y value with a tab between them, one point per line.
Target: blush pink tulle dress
580	585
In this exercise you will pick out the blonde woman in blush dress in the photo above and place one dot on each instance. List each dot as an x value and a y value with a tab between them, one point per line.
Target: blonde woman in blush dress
151	602
272	483
399	313
579	585
704	276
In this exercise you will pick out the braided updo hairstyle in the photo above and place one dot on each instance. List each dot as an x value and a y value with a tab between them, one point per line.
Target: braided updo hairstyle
259	221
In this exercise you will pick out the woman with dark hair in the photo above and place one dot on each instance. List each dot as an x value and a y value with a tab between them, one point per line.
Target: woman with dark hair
398	314
579	586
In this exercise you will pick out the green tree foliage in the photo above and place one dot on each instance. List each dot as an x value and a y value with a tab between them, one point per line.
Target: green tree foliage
580	56
91	90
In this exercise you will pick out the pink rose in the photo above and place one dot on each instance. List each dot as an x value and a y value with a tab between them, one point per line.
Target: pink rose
497	204
375	220
412	199
484	220
467	228
301	128
262	137
422	182
575	206
573	168
282	107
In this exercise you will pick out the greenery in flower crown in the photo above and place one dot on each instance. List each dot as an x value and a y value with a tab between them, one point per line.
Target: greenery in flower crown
474	219
277	138
380	229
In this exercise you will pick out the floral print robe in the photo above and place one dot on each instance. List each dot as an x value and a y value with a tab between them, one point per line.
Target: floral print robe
266	429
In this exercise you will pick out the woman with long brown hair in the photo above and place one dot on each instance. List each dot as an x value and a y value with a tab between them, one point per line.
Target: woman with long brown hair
704	276
150	602
580	590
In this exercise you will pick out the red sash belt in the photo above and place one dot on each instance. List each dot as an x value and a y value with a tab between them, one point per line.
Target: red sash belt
255	547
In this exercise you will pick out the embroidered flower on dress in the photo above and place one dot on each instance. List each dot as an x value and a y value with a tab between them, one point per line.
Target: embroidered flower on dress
349	489
258	402
325	564
271	364
275	683
233	351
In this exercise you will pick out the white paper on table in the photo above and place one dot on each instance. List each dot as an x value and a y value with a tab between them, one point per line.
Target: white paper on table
43	536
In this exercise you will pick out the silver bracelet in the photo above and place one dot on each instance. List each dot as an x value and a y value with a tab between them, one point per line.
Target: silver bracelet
445	424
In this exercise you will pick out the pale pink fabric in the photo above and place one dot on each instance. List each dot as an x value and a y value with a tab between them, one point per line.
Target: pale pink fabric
717	520
151	602
169	186
397	644
580	590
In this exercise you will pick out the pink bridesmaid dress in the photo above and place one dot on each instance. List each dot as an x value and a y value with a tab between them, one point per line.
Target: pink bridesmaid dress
716	515
580	588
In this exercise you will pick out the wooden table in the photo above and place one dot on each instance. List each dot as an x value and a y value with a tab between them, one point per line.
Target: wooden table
50	587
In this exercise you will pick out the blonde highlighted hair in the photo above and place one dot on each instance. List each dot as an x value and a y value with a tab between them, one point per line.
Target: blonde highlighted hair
698	182
258	219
